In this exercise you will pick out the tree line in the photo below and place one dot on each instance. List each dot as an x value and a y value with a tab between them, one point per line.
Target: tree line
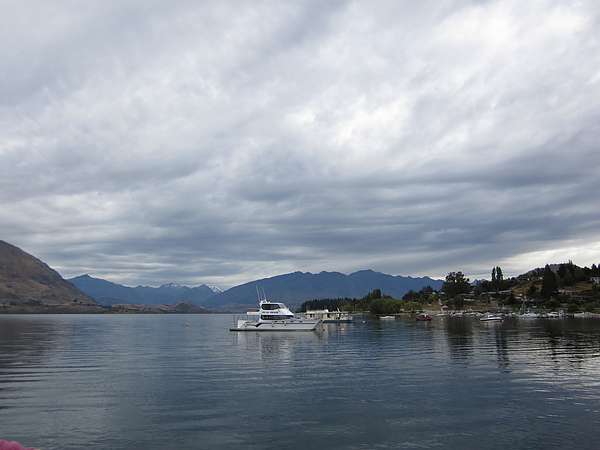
375	302
542	284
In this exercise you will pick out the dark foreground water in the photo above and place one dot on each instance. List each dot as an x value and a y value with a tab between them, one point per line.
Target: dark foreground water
150	381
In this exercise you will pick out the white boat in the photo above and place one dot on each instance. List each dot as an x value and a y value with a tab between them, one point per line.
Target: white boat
329	316
272	316
387	318
529	315
491	318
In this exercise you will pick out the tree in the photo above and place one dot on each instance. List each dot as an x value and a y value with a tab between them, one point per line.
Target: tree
552	304
456	284
579	274
425	295
386	305
457	302
414	306
549	284
409	295
481	287
497	278
568	279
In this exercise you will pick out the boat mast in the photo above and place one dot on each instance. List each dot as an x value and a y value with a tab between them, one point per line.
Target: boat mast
258	294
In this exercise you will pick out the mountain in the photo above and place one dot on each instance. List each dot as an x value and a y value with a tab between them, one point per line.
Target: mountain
295	288
25	281
216	289
108	293
181	307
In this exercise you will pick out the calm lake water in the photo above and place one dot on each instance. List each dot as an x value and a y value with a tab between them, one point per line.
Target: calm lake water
150	381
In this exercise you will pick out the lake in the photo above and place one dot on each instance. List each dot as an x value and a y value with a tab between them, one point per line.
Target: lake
186	381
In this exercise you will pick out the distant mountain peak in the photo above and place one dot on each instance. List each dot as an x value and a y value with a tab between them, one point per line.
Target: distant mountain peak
171	286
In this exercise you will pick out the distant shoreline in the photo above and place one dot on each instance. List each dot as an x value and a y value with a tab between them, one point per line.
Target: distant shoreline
121	309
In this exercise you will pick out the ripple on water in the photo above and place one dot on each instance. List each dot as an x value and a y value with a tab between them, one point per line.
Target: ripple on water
150	381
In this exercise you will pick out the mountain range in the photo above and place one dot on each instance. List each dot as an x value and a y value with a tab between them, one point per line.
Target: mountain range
108	293
295	288
27	282
292	289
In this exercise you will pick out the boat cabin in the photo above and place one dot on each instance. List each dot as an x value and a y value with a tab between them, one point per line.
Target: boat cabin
271	306
271	311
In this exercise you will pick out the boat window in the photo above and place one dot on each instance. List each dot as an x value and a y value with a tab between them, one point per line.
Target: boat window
270	306
273	317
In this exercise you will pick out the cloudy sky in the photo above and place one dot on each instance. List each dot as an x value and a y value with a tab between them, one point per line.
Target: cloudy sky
219	142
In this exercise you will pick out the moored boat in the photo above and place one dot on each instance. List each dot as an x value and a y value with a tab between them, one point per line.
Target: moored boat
583	315
273	316
424	318
329	316
529	315
491	318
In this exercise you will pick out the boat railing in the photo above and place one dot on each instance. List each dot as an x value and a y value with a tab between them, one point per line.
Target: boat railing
238	317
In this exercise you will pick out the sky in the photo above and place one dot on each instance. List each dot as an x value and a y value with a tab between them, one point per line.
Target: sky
211	142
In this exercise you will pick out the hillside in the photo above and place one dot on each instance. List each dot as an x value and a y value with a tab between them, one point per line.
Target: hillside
182	307
27	282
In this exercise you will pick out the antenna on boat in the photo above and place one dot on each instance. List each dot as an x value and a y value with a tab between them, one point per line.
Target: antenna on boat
259	292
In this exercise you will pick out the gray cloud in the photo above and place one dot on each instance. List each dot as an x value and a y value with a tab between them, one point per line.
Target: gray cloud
148	142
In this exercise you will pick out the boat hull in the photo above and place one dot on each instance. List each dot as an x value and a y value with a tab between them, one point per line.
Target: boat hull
491	318
276	325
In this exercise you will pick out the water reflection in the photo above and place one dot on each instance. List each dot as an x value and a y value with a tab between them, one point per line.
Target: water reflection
23	338
459	334
502	343
274	346
149	381
545	344
26	344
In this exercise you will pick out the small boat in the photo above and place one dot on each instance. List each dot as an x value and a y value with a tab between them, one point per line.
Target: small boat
329	316
529	315
424	318
272	316
387	318
491	318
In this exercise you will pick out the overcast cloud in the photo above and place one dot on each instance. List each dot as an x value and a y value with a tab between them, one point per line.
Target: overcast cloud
219	142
